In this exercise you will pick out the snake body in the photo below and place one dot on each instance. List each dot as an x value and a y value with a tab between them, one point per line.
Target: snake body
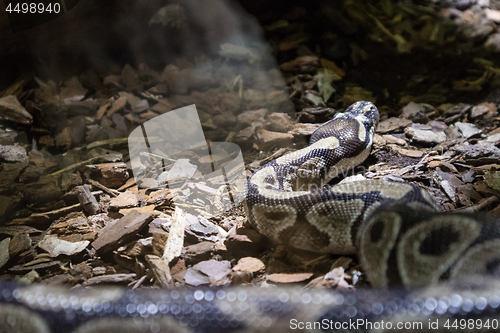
44	309
393	227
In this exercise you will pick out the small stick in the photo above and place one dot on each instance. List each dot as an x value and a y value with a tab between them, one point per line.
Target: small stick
50	215
477	207
138	283
74	166
109	191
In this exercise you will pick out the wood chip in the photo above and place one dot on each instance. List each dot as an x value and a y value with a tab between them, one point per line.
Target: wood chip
335	278
249	265
468	130
126	199
19	243
392	124
18	229
112	175
146	209
392	139
426	134
207	272
11	109
161	270
87	200
289	277
198	252
119	232
267	139
407	152
4	251
116	106
55	246
175	240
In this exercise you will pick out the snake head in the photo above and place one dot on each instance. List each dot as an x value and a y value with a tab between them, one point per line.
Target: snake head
366	110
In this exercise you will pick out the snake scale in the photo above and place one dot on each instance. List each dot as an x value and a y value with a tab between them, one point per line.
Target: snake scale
442	268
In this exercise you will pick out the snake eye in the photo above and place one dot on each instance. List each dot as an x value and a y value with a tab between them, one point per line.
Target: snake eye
269	179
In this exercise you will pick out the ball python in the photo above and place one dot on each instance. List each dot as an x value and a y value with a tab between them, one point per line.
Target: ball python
393	227
446	265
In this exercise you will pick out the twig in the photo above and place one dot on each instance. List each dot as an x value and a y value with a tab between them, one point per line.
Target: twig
109	191
47	216
51	215
477	207
138	283
117	141
74	166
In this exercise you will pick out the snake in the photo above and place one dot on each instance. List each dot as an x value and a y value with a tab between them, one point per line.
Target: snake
429	270
393	227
